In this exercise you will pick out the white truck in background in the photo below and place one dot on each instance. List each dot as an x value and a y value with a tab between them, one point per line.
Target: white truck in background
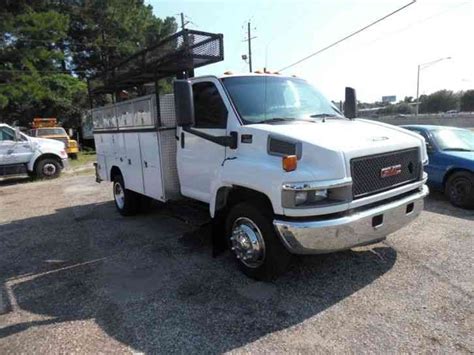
281	169
22	154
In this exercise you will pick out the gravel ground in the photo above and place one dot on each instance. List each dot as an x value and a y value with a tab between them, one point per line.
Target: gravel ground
77	277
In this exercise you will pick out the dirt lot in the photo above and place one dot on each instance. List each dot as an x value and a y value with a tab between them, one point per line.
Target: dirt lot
77	277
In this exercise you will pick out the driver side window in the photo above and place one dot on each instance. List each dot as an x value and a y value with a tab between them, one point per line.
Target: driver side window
6	134
209	108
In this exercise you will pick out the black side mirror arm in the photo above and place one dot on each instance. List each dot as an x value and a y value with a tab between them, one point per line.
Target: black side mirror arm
226	141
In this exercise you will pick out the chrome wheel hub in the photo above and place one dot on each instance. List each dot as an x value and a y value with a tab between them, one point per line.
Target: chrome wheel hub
119	195
49	169
247	241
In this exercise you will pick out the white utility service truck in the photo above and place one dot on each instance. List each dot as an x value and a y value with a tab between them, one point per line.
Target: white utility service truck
21	154
283	169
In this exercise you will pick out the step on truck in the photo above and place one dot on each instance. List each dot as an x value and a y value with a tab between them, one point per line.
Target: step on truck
282	171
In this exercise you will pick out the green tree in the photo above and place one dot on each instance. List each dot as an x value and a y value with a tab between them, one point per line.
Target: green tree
467	101
31	79
439	101
49	47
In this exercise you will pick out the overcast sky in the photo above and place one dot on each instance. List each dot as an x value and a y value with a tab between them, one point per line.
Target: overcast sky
380	61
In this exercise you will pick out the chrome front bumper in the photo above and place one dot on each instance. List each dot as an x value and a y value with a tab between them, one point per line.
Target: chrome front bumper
360	228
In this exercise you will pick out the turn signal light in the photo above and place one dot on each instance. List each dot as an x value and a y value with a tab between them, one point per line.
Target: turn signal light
290	162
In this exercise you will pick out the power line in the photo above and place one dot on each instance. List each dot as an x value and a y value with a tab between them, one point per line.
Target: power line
418	23
348	36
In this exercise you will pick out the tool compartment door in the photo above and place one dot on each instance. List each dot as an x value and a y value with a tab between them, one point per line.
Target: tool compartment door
133	172
152	177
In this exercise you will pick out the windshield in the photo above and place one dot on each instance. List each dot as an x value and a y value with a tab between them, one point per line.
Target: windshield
265	98
50	132
454	139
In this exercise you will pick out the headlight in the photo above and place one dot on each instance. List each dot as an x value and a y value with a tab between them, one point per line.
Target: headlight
312	196
307	195
301	197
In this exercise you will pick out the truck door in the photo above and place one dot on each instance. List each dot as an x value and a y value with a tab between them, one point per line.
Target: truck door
12	151
198	158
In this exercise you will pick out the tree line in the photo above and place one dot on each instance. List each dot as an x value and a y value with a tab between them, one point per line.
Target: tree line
439	101
49	47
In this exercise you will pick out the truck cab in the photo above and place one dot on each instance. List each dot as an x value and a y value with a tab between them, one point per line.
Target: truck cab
20	154
282	170
48	128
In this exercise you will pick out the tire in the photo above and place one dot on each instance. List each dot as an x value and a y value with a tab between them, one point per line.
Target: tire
48	168
126	201
73	156
267	258
460	189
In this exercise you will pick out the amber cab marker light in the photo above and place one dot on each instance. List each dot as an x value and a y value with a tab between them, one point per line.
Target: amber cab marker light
289	163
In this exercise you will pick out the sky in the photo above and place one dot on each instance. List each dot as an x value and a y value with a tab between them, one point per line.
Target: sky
380	61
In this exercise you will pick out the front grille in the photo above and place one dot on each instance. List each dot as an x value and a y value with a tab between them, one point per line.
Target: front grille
367	171
62	139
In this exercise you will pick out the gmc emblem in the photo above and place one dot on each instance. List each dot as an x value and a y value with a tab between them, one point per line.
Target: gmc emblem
391	171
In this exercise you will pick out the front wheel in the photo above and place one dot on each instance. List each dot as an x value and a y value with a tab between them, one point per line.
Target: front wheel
126	201
254	242
460	189
48	168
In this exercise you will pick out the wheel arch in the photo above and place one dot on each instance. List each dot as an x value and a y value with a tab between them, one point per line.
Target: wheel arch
228	196
47	156
452	171
114	171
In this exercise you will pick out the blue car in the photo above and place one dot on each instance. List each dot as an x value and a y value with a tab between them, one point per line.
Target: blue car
451	161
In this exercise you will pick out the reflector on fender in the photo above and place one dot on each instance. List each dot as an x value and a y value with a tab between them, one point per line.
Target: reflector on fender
289	162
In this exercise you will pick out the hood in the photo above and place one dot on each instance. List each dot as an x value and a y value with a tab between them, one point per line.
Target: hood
351	137
47	142
329	146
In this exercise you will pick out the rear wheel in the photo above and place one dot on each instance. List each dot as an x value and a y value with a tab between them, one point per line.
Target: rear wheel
460	189
48	168
254	242
126	201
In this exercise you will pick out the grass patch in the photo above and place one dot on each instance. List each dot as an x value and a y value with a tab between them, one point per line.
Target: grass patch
83	159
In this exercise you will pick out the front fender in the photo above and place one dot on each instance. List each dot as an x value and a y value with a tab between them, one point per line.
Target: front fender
265	176
38	154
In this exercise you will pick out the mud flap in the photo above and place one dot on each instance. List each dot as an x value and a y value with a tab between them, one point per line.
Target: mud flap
219	240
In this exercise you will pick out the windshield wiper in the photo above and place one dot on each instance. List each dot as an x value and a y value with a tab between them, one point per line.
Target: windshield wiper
276	119
318	115
458	149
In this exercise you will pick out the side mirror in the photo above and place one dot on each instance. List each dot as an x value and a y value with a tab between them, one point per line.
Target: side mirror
17	134
350	103
184	103
429	147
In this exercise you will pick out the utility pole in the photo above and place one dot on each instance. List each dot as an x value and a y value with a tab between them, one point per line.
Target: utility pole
249	39
417	91
422	66
182	21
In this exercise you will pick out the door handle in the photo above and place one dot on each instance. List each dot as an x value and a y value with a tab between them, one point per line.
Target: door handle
146	164
182	139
